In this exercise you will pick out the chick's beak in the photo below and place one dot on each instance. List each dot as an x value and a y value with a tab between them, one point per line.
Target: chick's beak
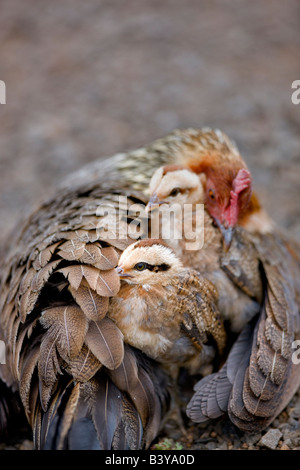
121	273
154	203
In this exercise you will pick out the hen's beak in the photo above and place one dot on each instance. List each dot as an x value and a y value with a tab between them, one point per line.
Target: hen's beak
154	203
121	273
227	233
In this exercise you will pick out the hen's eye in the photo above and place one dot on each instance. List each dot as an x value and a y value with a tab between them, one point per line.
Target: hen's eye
174	192
211	194
140	266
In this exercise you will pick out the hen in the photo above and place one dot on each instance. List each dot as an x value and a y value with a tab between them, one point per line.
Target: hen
259	377
80	385
267	377
56	280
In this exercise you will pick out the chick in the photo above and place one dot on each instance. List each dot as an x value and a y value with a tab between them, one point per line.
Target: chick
166	310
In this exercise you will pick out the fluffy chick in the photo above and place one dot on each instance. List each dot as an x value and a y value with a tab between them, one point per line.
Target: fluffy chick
166	310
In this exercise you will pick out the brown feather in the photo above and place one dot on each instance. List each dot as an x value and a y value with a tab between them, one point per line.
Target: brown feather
26	280
43	275
75	273
27	303
125	377
18	343
279	341
72	250
130	431
48	368
44	256
270	362
101	258
84	366
68	325
14	284
255	405
260	384
68	415
108	283
105	341
7	313
93	305
48	361
146	401
27	371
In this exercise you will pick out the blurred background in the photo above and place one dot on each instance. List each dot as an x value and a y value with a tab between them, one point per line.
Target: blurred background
87	79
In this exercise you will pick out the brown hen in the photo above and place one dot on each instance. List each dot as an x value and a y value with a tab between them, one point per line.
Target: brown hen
257	253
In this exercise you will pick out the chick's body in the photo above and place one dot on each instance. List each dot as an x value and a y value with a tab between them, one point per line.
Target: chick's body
170	312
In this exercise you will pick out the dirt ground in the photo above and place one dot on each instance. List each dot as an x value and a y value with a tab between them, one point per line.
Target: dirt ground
85	80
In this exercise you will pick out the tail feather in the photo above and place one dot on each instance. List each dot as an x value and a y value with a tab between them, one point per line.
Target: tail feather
99	415
212	393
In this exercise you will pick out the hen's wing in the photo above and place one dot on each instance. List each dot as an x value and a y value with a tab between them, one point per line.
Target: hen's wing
63	354
259	377
197	299
270	377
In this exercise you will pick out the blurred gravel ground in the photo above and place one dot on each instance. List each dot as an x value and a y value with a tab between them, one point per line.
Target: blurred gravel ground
88	79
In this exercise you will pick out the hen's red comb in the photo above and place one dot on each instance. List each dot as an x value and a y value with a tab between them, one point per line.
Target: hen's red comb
242	181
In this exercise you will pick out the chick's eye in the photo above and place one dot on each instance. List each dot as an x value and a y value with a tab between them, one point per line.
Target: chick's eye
140	266
211	194
174	192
